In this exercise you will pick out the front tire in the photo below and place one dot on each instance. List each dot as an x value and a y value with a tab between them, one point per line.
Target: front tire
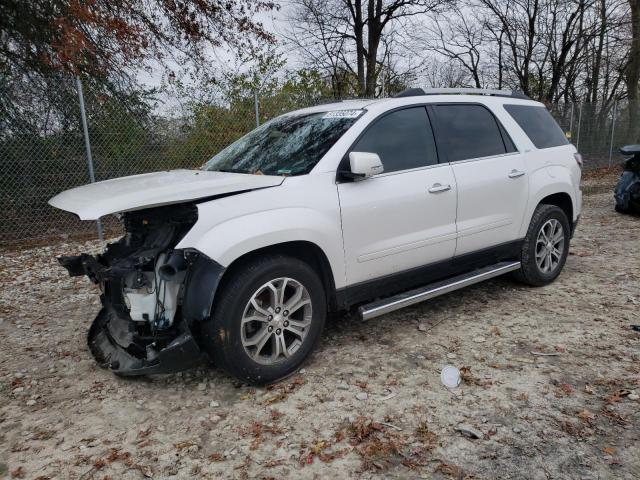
267	319
545	247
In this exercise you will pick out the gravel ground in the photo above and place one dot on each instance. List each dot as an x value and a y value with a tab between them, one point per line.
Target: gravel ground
550	389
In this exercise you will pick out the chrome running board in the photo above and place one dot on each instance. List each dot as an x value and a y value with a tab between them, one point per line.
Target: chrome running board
386	305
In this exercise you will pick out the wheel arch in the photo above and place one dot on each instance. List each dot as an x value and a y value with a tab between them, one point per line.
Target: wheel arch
303	250
558	194
561	200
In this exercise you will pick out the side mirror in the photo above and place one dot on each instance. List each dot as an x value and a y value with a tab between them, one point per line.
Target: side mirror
365	164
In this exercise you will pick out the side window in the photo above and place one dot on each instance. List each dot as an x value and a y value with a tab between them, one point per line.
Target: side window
538	124
468	131
508	143
403	139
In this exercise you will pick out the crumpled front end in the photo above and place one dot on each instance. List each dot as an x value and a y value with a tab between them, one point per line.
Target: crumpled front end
152	294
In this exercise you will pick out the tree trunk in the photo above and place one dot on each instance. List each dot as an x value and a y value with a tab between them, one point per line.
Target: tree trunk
358	30
500	65
633	73
597	64
374	30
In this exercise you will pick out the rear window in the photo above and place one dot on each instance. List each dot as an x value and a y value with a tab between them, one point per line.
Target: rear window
538	124
468	131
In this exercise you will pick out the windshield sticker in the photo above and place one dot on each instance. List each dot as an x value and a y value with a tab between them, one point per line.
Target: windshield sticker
343	114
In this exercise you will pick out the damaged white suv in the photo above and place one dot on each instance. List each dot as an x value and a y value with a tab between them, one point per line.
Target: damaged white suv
380	204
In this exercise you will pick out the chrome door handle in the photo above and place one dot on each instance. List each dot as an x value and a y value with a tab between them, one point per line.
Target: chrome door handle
438	187
515	174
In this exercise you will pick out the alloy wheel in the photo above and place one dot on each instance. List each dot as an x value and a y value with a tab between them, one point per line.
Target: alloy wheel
276	321
549	246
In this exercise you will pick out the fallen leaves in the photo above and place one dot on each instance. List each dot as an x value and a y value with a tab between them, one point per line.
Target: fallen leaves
183	445
426	436
257	430
216	457
18	472
469	378
575	429
449	469
616	396
116	455
564	389
586	416
362	428
283	390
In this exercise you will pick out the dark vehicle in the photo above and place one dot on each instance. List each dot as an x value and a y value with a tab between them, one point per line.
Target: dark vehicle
627	192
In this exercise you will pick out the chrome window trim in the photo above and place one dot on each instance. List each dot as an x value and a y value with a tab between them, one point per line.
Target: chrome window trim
408	170
488	157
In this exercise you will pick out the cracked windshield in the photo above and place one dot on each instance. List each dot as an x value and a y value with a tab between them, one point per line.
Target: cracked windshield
287	145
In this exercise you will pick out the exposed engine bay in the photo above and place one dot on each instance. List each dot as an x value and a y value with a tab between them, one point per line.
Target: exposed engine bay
145	322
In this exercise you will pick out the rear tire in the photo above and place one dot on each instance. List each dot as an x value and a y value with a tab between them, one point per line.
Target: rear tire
545	247
251	334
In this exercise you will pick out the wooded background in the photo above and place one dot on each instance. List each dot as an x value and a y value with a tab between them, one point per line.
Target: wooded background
169	83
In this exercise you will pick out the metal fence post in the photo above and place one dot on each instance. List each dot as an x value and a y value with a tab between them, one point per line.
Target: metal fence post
579	123
613	129
573	104
87	146
255	101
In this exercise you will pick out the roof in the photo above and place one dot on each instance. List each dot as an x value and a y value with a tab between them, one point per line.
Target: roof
432	94
416	92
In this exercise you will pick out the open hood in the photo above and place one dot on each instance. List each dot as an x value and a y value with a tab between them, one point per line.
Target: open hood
136	192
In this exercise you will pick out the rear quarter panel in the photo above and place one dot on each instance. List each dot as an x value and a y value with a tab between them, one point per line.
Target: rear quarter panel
550	170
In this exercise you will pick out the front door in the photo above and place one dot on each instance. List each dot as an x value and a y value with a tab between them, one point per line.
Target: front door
404	217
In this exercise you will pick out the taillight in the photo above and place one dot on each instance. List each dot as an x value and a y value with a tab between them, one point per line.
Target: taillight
578	158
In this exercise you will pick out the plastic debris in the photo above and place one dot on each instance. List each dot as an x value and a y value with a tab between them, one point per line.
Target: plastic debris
450	376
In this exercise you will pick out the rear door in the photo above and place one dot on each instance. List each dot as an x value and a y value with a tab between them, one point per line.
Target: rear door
404	217
490	174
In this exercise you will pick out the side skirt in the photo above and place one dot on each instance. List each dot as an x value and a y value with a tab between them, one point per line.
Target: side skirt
396	302
402	281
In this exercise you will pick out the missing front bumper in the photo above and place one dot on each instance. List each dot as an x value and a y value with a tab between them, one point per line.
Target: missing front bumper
116	345
128	348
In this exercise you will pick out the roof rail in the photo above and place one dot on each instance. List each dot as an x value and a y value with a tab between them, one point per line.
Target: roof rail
415	92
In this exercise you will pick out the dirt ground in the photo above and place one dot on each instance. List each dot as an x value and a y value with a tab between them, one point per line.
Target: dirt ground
551	383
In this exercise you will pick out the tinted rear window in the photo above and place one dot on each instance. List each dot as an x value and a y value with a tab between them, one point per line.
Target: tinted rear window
468	131
538	124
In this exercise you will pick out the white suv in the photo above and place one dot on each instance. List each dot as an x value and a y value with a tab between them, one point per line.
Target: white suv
372	203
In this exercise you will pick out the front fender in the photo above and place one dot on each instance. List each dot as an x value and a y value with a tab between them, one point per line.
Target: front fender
235	237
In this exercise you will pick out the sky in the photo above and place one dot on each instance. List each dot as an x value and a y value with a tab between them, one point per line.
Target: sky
273	21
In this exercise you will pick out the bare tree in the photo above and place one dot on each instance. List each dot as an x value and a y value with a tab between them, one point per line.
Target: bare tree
362	25
317	35
552	50
460	36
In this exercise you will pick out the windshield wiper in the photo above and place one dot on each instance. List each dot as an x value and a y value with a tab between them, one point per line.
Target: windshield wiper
232	170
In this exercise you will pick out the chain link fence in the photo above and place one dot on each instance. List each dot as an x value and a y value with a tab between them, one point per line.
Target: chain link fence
132	138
